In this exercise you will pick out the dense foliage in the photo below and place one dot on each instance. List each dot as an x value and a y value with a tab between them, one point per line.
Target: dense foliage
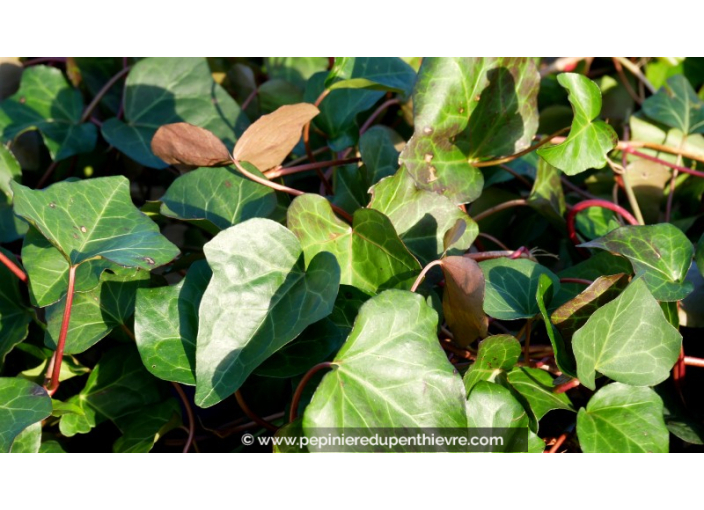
196	249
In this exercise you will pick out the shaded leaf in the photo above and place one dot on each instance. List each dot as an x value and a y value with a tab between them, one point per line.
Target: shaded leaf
628	340
594	222
547	196
185	144
454	234
295	70
370	254
661	254
142	429
624	419
463	298
599	264
377	148
14	315
676	105
589	140
260	284
564	356
22	403
374	73
51	447
9	170
29	440
699	255
536	386
496	354
267	142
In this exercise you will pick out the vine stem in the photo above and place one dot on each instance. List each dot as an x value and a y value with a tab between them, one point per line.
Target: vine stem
500	207
14	268
275	173
422	274
293	413
564	387
44	60
493	240
367	124
681	168
189	413
252	415
518	176
560	440
586	204
486	255
462	353
306	143
500	161
673	181
249	99
636	72
526	344
694	362
112	81
53	383
576	280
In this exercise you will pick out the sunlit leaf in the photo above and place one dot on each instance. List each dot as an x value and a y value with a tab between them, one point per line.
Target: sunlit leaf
22	403
536	386
496	354
677	105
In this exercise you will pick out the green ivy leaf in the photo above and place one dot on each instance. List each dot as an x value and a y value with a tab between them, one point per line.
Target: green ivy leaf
599	264
45	101
377	147
676	105
259	299
547	196
589	141
166	325
14	316
390	372
9	170
661	254
371	255
94	219
596	222
389	74
621	418
96	313
51	447
628	340
144	428
564	357
536	386
511	286
22	403
162	91
421	217
467	109
496	354
295	70
29	440
221	196
699	255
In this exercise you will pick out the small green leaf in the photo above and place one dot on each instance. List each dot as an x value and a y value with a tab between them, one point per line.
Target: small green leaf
621	418
221	196
496	354
166	325
511	285
259	299
536	386
564	357
676	105
14	316
547	196
628	340
22	403
661	254
45	101
370	253
589	141
421	217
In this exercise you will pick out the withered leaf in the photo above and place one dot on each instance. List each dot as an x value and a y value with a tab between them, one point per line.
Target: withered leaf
186	144
463	299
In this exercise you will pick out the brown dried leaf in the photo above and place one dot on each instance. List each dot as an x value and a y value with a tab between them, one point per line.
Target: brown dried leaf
463	299
454	234
268	141
186	144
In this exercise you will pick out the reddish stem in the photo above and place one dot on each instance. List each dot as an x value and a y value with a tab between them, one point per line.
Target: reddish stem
493	240
101	93
53	383
249	99
422	274
500	207
694	362
309	151
44	60
252	415
581	206
684	169
13	268
462	353
486	255
576	280
275	173
376	114
564	387
293	413
189	413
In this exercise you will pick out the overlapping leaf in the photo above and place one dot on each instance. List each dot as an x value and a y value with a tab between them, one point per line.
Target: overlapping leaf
374	73
11	227
677	105
463	299
261	296
547	196
141	430
22	403
564	357
496	354
536	386
14	315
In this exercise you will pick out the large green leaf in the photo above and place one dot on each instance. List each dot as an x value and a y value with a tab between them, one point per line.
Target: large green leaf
144	428
377	148
628	340
166	326
623	419
162	91
589	140
221	196
259	284
536	386
421	217
370	253
96	313
467	109
511	285
29	440
94	219
14	315
391	372
661	254
375	73
676	105
45	101
564	356
496	354
22	403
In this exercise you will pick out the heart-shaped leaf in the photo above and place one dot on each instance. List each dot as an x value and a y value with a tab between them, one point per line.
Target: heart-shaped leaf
421	217
496	354
45	101
166	326
467	109
93	219
259	284
621	418
14	315
161	91
22	403
536	386
222	197
370	254
589	140
511	286
661	254
268	141
463	298
185	144
677	105
391	372
628	340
